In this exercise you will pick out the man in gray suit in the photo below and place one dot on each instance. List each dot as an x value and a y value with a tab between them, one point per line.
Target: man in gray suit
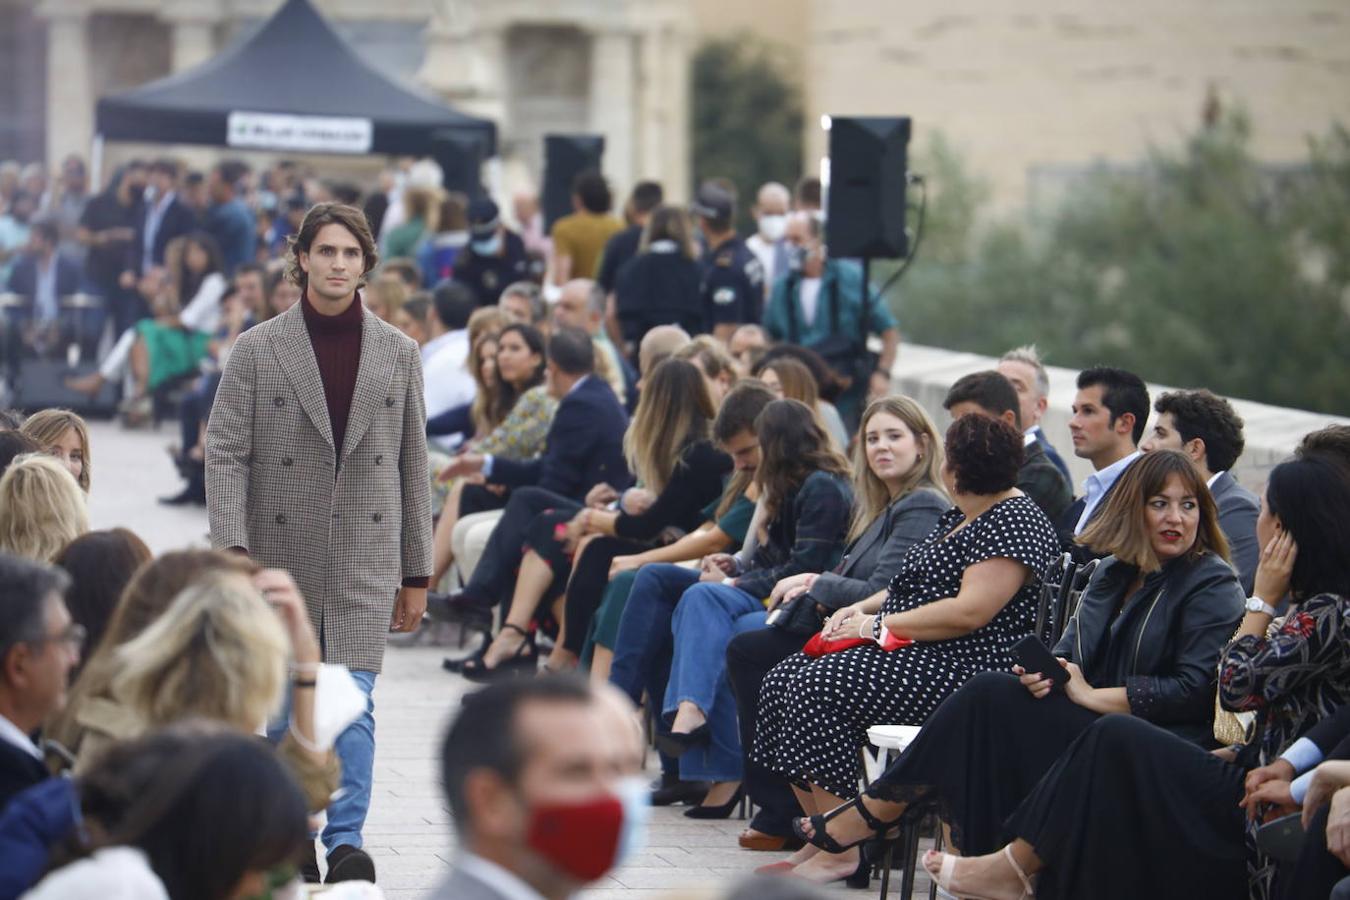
1209	431
540	778
316	463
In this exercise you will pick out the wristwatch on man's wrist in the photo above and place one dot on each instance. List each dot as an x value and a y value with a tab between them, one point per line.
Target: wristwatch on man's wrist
1256	604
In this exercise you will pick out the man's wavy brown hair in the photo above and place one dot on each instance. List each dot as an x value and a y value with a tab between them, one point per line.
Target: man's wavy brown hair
319	215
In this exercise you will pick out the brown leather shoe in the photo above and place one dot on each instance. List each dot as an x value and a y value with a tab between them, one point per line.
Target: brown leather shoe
751	839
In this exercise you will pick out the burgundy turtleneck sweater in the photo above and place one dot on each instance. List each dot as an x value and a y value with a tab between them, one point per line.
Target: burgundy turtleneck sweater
337	349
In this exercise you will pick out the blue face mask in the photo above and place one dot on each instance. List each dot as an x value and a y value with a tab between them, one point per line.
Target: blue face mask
490	247
635	794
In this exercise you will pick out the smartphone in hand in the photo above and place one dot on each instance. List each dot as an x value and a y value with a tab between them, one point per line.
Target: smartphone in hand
1033	656
1282	838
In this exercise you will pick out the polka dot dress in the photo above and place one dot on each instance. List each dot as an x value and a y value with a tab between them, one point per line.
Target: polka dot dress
814	713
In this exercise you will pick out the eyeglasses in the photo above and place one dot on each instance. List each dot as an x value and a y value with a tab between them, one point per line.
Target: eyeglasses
72	635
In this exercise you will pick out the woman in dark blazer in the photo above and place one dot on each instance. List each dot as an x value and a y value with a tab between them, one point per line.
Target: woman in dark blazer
1145	641
897	462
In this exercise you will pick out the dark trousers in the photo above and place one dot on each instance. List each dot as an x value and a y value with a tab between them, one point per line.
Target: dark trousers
750	656
1316	873
495	577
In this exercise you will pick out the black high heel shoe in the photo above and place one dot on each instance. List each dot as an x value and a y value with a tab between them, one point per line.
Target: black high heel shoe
715	812
525	661
677	743
820	836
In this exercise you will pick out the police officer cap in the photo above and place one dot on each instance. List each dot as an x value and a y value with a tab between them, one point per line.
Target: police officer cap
713	202
483	218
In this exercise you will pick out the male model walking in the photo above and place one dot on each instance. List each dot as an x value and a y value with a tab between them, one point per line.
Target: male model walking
316	463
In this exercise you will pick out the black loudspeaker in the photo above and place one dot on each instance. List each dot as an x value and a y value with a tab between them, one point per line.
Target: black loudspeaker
460	157
865	216
565	157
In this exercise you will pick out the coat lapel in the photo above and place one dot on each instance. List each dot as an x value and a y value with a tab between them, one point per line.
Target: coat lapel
379	355
296	355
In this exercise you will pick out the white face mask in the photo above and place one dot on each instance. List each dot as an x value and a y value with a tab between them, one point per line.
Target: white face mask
772	228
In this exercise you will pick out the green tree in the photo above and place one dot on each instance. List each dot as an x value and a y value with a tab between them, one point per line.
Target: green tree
747	117
1201	268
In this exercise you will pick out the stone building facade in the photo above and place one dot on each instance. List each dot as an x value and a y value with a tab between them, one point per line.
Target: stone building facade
1034	91
1031	93
616	67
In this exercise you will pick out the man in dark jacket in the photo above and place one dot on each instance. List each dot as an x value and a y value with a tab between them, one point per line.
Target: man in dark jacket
584	448
495	255
43	276
991	394
39	645
1209	431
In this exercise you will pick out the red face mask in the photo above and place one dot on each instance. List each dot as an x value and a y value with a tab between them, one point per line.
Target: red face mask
581	839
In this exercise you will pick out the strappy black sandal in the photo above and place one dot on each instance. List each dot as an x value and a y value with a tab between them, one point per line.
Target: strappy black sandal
819	824
523	662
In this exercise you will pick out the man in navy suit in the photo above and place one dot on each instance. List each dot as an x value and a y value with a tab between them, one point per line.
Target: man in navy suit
1209	431
39	645
584	448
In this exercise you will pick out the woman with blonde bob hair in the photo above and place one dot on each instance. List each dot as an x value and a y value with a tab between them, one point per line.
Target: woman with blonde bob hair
64	435
1145	641
42	508
670	450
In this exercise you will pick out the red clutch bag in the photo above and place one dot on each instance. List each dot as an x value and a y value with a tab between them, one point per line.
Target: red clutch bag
818	646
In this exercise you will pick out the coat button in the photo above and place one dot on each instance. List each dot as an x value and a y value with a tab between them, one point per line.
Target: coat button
281	520
388	401
379	458
278	401
287	461
377	517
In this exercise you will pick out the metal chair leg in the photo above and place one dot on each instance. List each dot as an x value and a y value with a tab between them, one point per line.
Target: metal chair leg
911	839
887	859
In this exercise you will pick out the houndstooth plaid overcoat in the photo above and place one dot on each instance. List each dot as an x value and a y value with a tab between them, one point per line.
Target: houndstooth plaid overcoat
348	534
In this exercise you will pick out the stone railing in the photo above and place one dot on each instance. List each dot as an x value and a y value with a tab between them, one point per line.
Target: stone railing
1272	432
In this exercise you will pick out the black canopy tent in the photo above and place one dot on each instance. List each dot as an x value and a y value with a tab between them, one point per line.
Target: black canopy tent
297	86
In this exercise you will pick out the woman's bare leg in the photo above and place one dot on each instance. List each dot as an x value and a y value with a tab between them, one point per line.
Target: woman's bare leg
825	867
442	551
994	875
534	578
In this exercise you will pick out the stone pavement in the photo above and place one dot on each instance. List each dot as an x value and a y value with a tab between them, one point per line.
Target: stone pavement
408	831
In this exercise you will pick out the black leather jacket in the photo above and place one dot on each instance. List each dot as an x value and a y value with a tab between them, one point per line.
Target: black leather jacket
1163	646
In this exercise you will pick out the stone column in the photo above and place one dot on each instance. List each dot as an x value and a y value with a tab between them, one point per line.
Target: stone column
653	106
70	99
194	43
612	103
676	73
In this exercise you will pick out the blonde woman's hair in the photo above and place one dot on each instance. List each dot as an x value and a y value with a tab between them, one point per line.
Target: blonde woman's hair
46	427
482	410
485	320
41	508
669	223
385	296
219	652
673	411
870	492
711	355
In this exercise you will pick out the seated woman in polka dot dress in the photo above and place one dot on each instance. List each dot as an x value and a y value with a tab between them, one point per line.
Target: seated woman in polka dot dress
963	596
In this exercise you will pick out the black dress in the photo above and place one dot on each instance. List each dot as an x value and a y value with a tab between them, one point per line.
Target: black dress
988	745
814	713
1132	811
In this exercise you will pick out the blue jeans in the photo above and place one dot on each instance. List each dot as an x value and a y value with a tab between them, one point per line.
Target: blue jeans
705	621
355	748
642	647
